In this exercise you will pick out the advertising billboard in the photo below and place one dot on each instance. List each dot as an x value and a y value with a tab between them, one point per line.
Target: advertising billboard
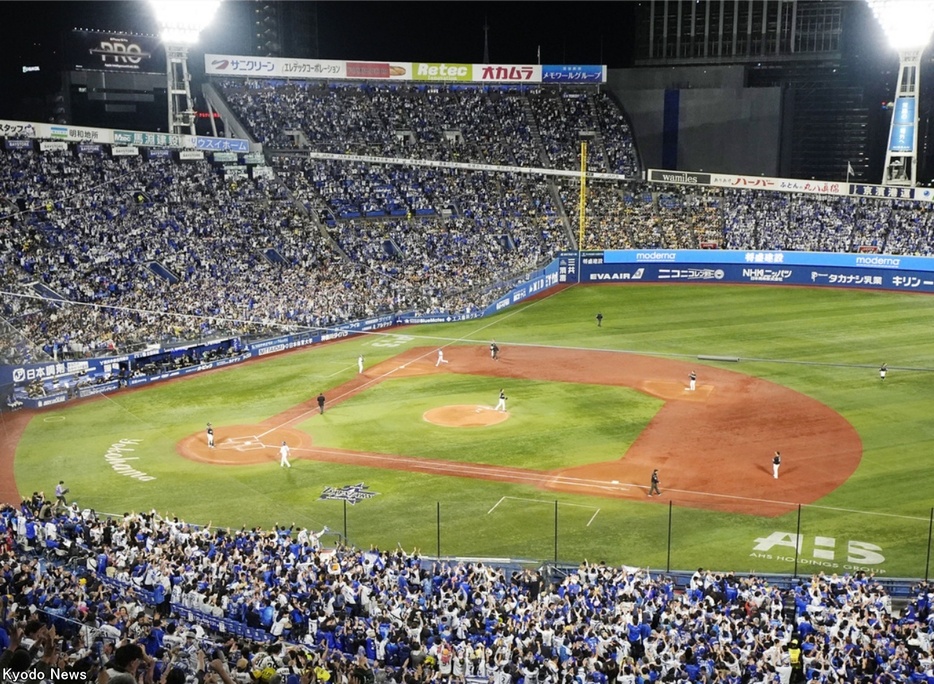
148	139
866	271
573	73
903	125
277	67
440	71
114	51
507	73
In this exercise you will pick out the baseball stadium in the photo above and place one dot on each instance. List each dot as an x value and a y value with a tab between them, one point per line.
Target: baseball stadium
413	372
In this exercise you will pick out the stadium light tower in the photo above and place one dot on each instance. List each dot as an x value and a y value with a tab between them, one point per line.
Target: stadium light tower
180	22
908	24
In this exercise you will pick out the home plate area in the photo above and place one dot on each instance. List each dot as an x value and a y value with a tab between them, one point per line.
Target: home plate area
244	444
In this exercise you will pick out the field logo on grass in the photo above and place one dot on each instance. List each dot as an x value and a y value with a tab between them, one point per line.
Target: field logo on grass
349	493
392	341
117	459
859	555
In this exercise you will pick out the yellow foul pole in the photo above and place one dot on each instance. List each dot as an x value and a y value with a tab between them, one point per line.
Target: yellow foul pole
582	206
582	201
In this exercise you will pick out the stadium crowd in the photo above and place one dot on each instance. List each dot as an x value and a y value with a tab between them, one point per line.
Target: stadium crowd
644	216
156	251
513	125
162	251
82	591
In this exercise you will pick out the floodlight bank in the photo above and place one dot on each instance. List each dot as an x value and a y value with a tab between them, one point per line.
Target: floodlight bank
908	24
180	21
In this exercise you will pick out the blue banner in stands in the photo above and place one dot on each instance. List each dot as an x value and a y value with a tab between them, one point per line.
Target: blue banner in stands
763	258
573	73
221	144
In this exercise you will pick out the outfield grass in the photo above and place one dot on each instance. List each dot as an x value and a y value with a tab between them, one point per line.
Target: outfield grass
824	343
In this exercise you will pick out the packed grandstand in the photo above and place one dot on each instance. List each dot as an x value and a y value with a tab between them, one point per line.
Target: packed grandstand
148	594
148	240
106	254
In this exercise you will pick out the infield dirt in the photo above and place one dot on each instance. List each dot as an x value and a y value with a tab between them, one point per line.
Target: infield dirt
713	446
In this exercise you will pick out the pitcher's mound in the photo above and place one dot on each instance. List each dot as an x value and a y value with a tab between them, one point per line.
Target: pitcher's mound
675	390
465	415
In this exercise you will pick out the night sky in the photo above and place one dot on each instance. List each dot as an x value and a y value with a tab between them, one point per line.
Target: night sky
566	32
35	34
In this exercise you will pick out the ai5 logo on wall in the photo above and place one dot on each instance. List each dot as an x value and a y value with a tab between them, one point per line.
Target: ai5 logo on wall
820	551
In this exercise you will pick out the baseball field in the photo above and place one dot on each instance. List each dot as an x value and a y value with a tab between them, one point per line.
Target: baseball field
413	453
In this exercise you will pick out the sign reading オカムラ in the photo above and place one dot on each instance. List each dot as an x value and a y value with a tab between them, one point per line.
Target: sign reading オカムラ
349	493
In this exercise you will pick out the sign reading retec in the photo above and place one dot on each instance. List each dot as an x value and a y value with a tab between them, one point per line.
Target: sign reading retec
432	71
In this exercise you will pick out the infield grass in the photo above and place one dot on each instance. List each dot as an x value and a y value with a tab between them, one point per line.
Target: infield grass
823	343
389	419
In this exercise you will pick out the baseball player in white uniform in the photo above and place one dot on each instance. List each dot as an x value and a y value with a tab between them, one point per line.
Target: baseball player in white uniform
776	462
360	363
441	358
284	452
693	380
210	431
501	404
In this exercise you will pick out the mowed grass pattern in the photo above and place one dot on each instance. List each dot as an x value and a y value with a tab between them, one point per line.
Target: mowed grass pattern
389	419
824	343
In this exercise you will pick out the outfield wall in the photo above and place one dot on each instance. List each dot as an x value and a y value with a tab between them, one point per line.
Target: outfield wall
864	271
